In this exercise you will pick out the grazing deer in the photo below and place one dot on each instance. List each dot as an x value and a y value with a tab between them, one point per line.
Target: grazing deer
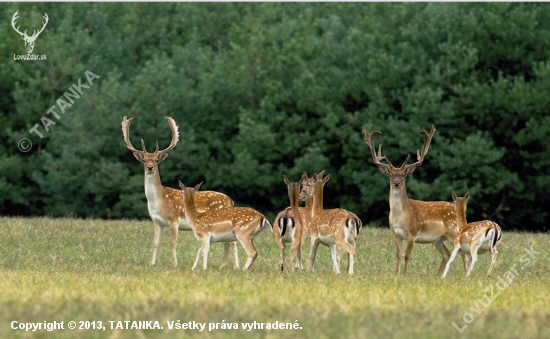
336	228
223	225
474	238
165	204
29	40
413	220
290	224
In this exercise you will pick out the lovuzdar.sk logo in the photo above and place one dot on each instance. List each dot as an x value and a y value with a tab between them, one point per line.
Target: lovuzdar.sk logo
29	40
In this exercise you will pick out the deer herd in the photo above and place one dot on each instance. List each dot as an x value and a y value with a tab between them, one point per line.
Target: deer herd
213	217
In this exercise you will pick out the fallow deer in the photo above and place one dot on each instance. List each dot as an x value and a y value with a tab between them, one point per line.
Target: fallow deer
290	225
223	225
412	220
165	204
307	197
474	238
336	228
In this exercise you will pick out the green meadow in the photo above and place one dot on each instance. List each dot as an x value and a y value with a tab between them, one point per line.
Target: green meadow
92	271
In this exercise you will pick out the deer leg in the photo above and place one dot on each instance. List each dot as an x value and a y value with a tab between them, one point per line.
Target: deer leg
226	247
174	242
197	259
494	254
225	254
342	245
312	253
156	241
445	255
205	250
282	246
334	256
464	260
398	245
235	254
456	248
410	245
282	262
250	251
295	249
299	256
473	254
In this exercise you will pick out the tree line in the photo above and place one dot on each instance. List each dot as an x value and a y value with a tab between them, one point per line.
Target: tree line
262	90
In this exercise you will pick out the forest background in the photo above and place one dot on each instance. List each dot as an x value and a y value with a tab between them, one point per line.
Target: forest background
262	90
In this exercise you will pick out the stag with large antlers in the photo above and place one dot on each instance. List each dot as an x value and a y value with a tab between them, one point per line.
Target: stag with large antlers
165	204
29	40
412	220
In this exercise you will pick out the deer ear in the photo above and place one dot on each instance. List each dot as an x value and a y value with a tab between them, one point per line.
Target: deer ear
196	188
162	156
287	182
139	157
325	179
385	171
467	196
409	171
454	196
182	186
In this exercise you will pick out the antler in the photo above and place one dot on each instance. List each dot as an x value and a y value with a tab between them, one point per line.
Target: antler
126	132
43	26
377	158
420	156
175	137
13	19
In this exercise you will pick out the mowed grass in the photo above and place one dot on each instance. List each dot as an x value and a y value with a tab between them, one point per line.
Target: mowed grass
95	270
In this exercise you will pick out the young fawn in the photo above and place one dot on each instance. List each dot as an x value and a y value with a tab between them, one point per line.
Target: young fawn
474	238
290	225
223	225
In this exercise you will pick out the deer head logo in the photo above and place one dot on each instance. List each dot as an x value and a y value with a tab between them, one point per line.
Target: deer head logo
29	40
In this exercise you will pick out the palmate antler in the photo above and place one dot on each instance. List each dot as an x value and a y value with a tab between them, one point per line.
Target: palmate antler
420	156
126	132
377	158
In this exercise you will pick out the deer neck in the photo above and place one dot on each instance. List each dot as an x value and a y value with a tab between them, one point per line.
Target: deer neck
189	206
460	216
153	185
293	195
399	201
317	205
309	203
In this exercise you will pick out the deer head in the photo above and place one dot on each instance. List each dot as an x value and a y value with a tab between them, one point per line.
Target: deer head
150	160
397	174
29	40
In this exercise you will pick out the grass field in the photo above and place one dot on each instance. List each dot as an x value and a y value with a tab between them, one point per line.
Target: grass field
95	270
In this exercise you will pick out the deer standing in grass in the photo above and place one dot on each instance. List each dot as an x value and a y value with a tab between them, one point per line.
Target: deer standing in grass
290	225
307	197
223	225
412	220
336	228
474	238
165	204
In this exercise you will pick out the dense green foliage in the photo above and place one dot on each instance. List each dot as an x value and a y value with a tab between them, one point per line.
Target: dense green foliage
265	89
